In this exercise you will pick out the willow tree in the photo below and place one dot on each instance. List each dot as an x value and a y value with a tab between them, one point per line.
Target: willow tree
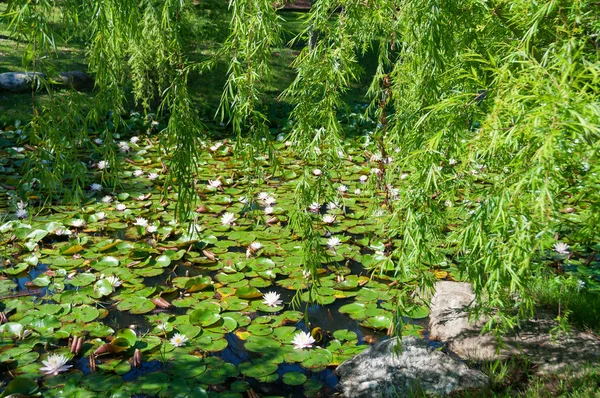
461	89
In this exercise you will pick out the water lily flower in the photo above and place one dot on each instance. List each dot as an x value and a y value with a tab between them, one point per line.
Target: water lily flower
77	223
216	146
561	248
303	340
306	273
107	199
263	196
342	189
272	299
21	213
162	326
100	215
357	191
243	200
120	207
114	281
178	340
138	173
96	187
141	221
328	219
227	219
214	183
256	246
269	210
270	200
152	176
151	229
375	171
314	207
403	176
134	139
332	205
103	164
21	205
333	242
55	364
363	178
98	141
452	161
124	147
317	172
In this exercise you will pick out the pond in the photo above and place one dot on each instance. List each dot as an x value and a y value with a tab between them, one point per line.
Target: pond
117	298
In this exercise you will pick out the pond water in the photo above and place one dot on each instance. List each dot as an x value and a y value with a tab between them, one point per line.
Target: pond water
121	274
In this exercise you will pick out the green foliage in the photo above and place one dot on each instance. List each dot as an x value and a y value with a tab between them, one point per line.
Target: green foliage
488	109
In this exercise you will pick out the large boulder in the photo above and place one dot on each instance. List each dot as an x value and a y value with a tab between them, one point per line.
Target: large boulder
22	82
381	372
19	82
449	323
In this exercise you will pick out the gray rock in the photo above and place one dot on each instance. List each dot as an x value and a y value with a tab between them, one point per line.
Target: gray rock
22	82
449	323
18	82
379	372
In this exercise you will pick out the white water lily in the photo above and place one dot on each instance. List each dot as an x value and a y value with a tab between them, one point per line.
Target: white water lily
103	164
21	213
375	171
561	248
120	207
314	207
21	205
100	215
263	196
96	187
216	146
178	340
107	199
452	161
306	273
227	219
317	172
357	191
141	221
342	189
55	364
151	229
124	147
328	219
77	223
270	200
269	210
134	139
138	173
272	299
333	242
363	178
214	183
303	340
152	176
256	246
332	205
114	281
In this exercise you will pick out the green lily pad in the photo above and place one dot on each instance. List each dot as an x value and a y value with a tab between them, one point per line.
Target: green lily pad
293	378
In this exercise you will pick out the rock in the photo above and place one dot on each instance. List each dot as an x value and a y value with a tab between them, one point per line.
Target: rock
18	82
449	323
77	80
379	372
22	82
